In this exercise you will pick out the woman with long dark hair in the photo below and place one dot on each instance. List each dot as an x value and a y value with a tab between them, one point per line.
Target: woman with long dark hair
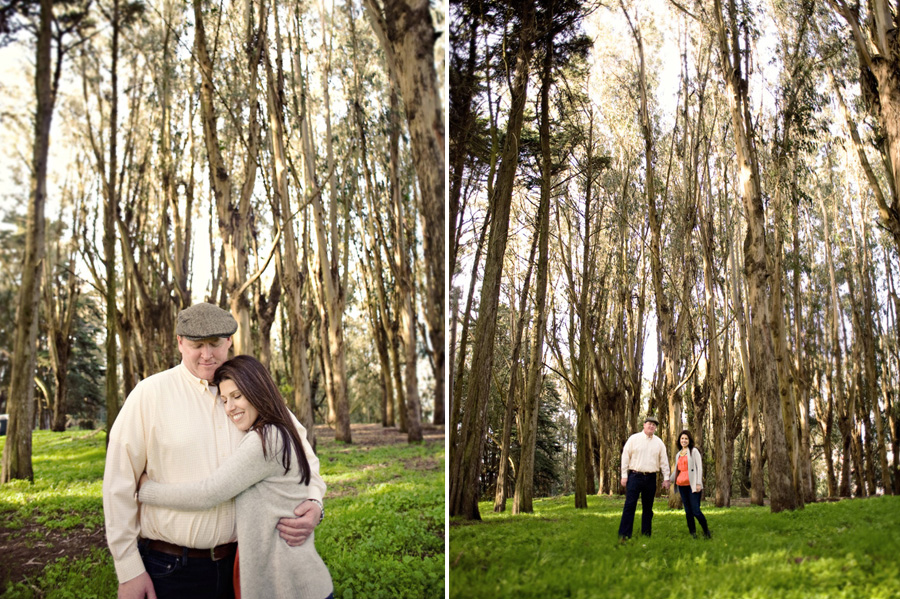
268	475
688	476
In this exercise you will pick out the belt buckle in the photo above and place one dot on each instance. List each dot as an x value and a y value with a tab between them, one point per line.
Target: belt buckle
212	554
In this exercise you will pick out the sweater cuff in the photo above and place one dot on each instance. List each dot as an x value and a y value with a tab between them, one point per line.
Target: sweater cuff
130	566
148	493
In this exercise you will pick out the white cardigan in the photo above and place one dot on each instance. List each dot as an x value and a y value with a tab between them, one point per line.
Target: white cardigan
695	470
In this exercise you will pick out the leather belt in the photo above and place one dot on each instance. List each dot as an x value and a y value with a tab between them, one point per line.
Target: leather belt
214	553
639	472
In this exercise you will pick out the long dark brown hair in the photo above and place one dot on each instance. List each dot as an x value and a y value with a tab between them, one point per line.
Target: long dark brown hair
690	441
256	384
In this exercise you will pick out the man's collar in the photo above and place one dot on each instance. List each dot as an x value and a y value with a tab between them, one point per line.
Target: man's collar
192	377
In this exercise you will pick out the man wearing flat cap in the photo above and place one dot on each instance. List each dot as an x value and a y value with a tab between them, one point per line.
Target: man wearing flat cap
174	428
643	456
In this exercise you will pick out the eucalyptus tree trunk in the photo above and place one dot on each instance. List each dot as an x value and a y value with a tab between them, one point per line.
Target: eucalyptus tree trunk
328	266
755	441
465	462
518	329
876	42
110	208
456	395
20	403
406	32
60	300
868	337
756	269
802	371
178	256
292	277
582	364
463	87
233	217
522	502
837	382
783	361
714	378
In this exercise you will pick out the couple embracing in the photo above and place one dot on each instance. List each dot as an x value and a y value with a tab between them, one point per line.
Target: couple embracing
204	456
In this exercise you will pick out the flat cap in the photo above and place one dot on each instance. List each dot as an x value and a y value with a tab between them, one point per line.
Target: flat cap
652	419
202	321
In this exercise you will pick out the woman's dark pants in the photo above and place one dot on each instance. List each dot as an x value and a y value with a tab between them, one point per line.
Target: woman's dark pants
182	577
691	502
639	485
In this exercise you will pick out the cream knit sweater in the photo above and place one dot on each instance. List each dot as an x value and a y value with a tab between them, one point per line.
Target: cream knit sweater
270	569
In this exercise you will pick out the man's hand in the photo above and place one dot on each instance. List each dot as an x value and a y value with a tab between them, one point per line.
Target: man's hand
139	587
295	531
624	482
666	484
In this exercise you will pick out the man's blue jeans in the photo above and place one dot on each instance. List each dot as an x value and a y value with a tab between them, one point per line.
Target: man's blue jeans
691	502
179	577
641	485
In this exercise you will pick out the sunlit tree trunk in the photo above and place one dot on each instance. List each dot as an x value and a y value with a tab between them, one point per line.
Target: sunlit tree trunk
406	32
876	42
20	403
755	441
756	268
233	218
292	278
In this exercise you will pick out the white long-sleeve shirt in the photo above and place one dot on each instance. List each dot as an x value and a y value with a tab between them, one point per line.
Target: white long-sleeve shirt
174	427
645	454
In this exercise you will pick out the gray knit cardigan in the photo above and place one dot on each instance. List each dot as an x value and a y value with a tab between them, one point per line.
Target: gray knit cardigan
695	469
270	569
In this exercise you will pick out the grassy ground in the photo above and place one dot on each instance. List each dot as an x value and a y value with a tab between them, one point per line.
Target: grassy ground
383	535
827	550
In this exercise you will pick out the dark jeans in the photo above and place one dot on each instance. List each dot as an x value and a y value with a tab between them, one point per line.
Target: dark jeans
691	502
643	486
177	577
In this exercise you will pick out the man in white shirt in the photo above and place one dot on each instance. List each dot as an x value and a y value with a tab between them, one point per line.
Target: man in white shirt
174	427
643	456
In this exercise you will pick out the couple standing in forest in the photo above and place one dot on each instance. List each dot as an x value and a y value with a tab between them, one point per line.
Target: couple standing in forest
643	456
183	484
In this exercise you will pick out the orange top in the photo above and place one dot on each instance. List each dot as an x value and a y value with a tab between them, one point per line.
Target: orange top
683	478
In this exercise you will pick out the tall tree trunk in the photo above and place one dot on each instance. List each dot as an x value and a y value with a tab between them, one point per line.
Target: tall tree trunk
503	469
880	81
756	269
465	463
837	381
291	275
60	310
801	369
522	501
20	403
110	208
755	442
233	219
714	376
406	32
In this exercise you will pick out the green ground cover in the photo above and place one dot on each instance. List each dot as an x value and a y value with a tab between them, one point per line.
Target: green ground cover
383	535
842	549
